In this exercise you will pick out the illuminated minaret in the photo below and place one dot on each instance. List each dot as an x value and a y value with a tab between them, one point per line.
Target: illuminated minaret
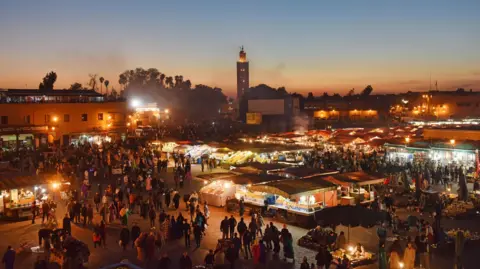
242	73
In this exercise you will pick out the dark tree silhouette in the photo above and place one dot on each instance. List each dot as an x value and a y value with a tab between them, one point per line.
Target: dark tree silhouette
76	87
101	79
367	91
48	81
351	92
106	86
310	96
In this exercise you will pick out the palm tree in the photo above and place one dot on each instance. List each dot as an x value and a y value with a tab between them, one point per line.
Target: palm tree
101	84
169	82
162	78
106	86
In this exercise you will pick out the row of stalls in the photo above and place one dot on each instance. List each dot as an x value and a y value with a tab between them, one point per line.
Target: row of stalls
295	193
443	152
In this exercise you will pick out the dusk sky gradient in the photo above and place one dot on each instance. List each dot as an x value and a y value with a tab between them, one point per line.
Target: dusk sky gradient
303	45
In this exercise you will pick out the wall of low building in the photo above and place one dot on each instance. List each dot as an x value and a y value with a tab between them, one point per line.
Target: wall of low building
457	134
70	117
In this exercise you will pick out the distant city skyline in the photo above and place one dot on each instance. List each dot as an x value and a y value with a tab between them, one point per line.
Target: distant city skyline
316	46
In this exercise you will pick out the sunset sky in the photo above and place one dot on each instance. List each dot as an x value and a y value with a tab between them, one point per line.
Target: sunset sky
303	45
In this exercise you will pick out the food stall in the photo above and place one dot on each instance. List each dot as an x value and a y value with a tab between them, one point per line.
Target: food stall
19	193
357	255
296	199
220	189
355	187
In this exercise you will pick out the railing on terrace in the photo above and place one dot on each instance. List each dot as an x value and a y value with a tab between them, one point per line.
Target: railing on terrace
80	100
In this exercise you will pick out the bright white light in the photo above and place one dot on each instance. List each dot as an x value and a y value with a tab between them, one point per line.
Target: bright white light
136	103
227	185
44	190
35	188
55	185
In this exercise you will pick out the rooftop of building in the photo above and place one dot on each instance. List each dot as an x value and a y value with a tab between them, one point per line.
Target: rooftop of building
36	92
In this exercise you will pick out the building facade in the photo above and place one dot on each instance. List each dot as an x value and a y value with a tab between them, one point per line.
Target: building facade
243	82
59	116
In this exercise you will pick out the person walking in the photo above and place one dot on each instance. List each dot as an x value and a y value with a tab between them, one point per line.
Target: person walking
304	264
247	241
45	211
185	261
209	260
9	258
89	214
253	228
135	233
186	233
224	227
409	256
124	237
84	214
231	256
97	199
66	224
241	228
152	215
197	234
97	239
232	222
34	211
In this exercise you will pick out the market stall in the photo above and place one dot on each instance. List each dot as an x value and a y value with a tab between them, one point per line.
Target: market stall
220	189
299	197
355	187
19	193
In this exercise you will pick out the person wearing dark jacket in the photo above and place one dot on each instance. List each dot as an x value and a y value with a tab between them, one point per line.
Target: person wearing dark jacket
152	215
253	228
97	199
186	233
232	223
164	262
247	241
67	226
231	256
210	259
77	209
84	214
9	258
224	227
185	261
197	233
176	200
135	233
241	227
124	237
237	243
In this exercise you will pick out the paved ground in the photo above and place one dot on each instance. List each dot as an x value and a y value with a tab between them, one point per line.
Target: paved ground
18	232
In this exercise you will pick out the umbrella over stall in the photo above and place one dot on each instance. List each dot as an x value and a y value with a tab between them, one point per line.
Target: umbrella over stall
350	216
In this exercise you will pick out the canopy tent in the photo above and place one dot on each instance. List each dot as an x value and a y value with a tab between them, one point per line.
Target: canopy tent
256	167
246	179
305	172
294	187
350	216
215	176
357	178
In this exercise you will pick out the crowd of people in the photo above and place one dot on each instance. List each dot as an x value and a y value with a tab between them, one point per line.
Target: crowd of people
138	188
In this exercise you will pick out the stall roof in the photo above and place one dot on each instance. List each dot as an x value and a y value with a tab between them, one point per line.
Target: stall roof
263	166
358	178
290	187
305	172
213	176
7	183
245	179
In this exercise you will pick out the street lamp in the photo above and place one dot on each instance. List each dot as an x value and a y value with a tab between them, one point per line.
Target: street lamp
407	139
452	142
167	111
55	119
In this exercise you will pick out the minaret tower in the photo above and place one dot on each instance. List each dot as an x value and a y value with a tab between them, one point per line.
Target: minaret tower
242	74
